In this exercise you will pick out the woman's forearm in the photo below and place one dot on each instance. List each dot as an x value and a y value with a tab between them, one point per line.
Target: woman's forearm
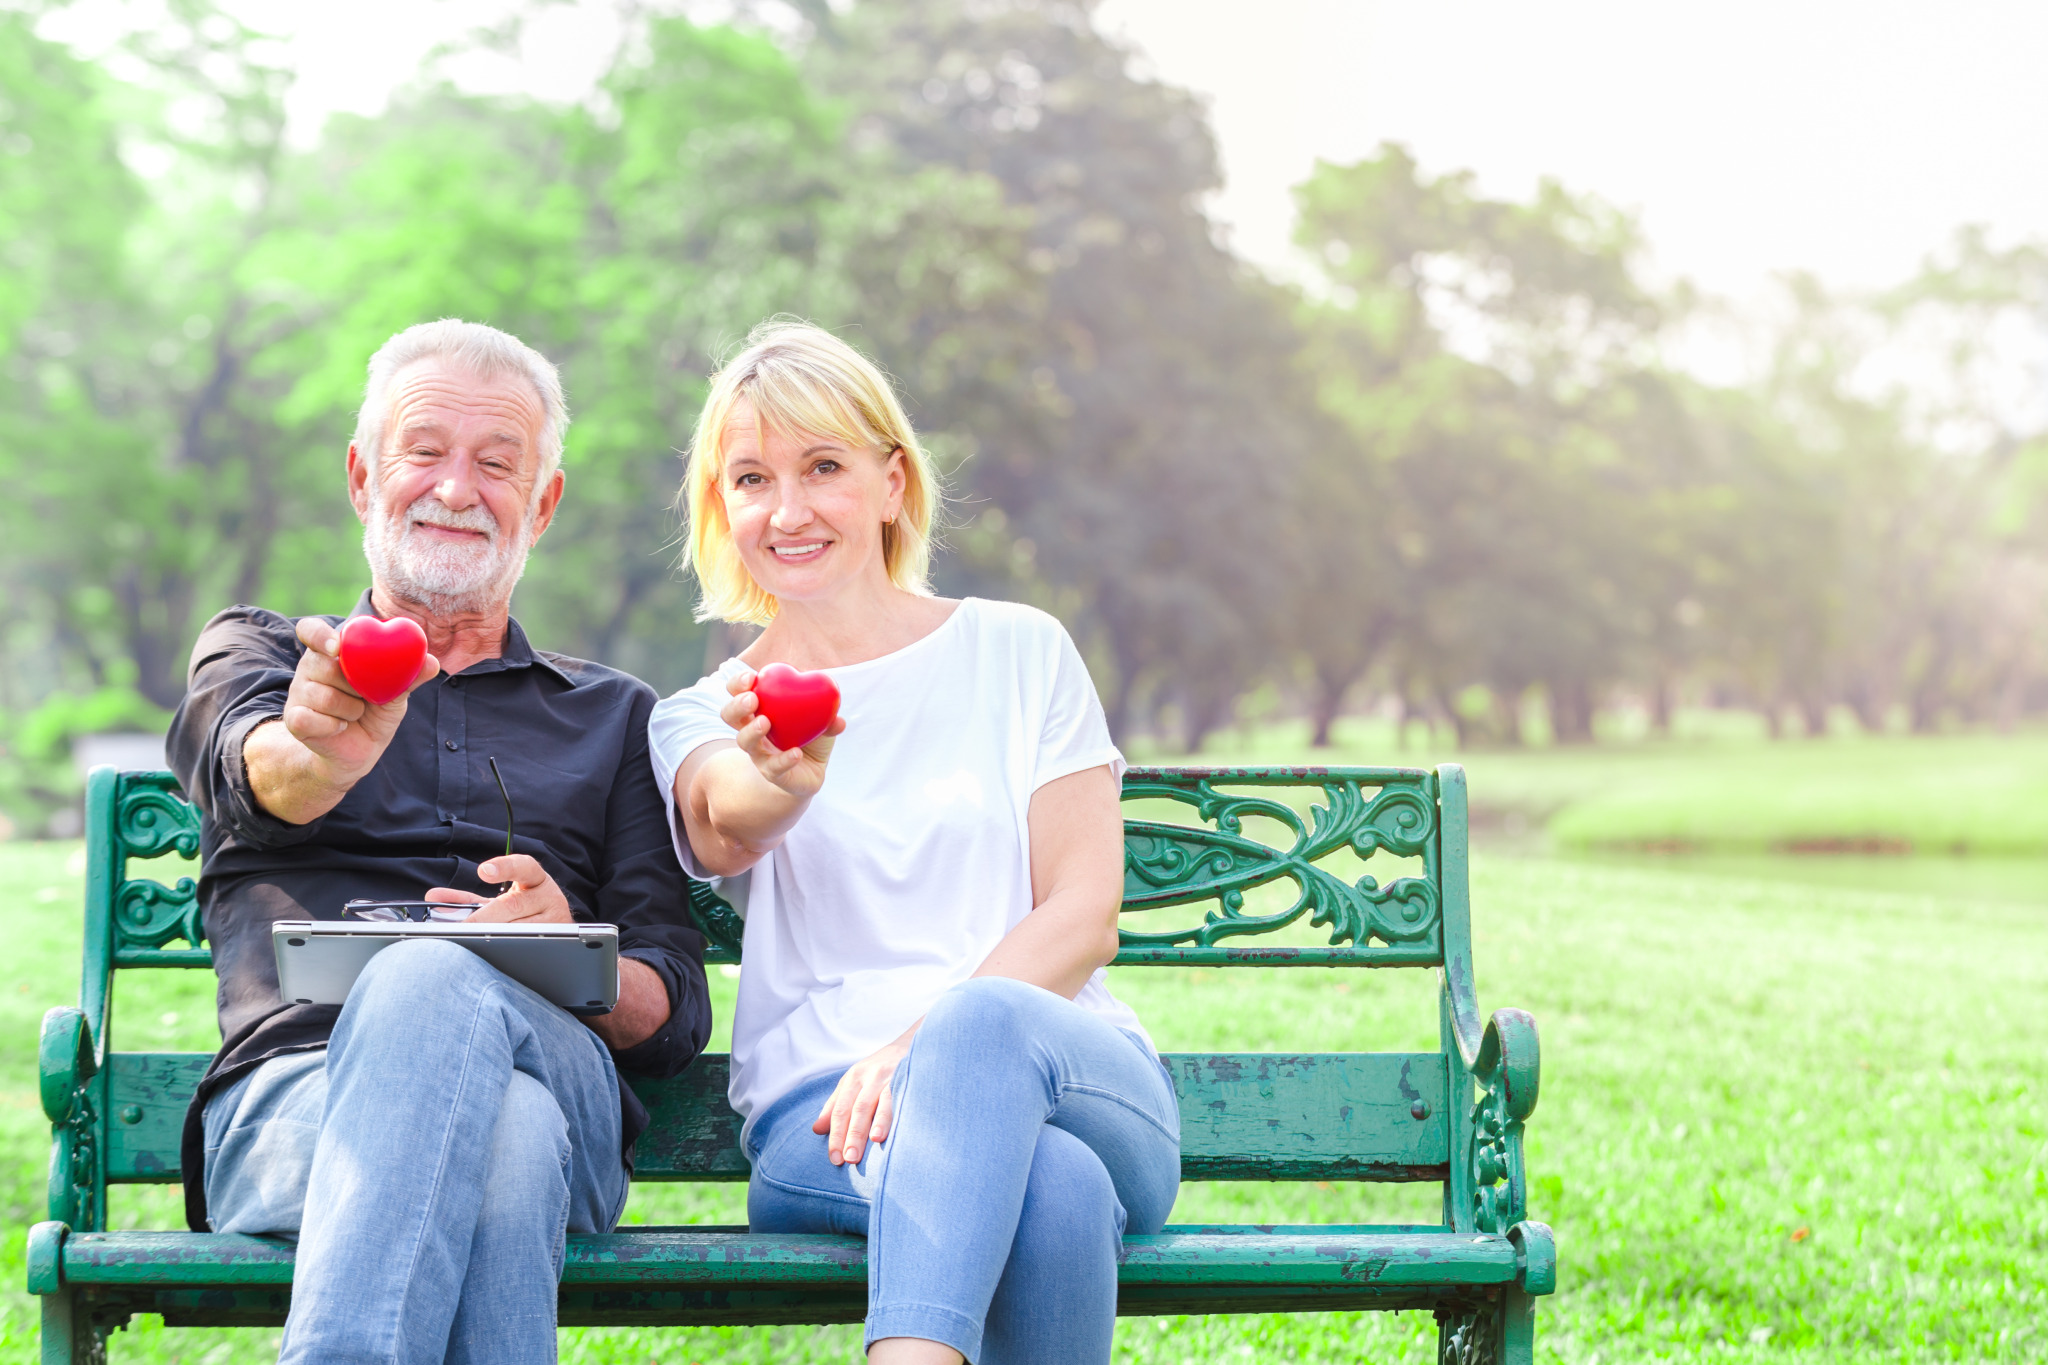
740	816
1059	945
1077	879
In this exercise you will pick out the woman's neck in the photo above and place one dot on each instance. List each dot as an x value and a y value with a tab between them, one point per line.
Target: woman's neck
834	634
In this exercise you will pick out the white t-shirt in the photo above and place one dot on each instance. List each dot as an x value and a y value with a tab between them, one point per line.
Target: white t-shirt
913	860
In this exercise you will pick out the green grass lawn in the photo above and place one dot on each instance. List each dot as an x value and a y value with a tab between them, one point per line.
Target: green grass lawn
1779	1122
1976	794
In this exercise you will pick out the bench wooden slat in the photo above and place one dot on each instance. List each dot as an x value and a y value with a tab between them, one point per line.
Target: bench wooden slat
774	1305
1244	1116
146	1097
708	1259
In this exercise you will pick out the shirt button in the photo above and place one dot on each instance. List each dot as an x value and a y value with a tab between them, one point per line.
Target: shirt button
451	745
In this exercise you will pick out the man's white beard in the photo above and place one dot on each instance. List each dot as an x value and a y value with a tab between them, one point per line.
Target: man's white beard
446	576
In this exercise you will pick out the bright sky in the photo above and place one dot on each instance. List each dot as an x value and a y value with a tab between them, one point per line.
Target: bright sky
1846	137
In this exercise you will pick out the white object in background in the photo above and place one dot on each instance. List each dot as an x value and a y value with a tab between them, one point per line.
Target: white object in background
130	752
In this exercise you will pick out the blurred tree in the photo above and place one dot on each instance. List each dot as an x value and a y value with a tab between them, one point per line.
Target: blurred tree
1144	467
1454	467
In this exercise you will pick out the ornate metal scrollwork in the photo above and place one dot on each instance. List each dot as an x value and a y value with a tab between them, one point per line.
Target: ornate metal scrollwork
1468	1336
73	1199
1508	1070
149	914
153	819
1499	1197
716	920
1168	864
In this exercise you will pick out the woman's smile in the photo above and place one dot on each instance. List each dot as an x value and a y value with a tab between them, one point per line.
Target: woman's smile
799	551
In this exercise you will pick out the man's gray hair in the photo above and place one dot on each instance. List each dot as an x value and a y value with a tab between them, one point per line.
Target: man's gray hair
483	351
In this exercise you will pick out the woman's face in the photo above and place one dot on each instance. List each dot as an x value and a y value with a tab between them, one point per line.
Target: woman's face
806	511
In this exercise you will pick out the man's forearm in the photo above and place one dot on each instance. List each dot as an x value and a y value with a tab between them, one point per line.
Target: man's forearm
289	780
642	1009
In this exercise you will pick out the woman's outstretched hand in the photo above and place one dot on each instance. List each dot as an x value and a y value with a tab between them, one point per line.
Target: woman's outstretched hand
799	772
860	1110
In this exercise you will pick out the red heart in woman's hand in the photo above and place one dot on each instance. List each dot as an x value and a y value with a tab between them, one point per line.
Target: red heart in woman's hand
799	706
381	658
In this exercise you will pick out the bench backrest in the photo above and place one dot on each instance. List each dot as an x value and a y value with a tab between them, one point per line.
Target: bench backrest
1273	862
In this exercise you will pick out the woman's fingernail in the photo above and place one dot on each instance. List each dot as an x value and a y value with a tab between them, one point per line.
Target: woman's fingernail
849	1153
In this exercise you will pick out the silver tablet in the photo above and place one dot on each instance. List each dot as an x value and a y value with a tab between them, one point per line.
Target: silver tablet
574	965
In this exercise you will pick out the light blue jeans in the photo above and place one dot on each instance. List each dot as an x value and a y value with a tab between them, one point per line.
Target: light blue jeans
1029	1136
429	1162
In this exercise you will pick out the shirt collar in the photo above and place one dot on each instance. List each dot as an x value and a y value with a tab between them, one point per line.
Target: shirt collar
518	652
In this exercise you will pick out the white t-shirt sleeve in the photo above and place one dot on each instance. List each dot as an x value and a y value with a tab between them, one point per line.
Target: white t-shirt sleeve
1075	736
680	725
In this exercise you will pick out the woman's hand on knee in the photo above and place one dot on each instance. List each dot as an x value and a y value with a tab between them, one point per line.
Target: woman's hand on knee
861	1110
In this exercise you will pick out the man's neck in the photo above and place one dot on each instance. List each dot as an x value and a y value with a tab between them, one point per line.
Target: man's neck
456	638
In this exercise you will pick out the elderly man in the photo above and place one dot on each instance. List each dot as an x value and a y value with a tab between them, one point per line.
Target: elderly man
430	1141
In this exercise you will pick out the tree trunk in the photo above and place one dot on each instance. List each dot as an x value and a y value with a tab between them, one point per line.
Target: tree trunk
1461	732
1661	706
1122	698
1509	705
1328	705
1571	712
1931	691
1202	713
1866	705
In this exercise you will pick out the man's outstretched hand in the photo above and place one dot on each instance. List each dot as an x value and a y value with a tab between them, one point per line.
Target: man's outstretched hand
329	737
531	897
346	733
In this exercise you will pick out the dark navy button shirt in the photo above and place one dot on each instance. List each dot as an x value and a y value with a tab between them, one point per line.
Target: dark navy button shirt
570	738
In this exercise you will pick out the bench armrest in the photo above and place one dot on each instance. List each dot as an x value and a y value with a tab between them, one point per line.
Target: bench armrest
65	1060
1505	1073
67	1064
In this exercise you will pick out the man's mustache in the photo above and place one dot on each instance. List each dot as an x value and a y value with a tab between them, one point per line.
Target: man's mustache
431	511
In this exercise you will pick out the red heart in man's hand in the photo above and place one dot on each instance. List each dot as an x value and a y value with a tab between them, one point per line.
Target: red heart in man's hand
799	706
381	658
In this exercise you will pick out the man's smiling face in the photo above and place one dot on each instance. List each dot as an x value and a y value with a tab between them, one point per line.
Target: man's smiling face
451	508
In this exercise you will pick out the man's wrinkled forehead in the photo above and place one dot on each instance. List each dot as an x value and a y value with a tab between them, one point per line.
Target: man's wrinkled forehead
431	400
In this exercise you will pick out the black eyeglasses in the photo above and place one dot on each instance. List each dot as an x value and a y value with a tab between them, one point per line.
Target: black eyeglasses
416	912
508	802
429	912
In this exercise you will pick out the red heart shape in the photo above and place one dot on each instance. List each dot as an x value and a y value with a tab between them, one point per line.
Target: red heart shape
799	706
381	658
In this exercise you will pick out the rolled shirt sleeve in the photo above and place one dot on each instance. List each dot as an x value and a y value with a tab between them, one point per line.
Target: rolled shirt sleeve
242	668
643	892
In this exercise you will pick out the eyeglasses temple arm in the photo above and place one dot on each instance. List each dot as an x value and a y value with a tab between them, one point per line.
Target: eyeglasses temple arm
508	802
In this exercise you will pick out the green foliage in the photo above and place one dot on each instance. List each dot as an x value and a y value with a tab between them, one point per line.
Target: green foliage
36	768
1454	468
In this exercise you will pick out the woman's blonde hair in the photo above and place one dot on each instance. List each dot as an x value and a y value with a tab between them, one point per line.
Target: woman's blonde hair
800	380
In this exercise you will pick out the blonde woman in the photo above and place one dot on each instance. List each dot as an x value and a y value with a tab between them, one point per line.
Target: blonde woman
924	1051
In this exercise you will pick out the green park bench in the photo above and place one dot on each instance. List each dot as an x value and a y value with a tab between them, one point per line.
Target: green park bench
1452	1116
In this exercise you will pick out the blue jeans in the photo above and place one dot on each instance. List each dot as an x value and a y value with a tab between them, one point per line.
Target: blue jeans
429	1162
1029	1136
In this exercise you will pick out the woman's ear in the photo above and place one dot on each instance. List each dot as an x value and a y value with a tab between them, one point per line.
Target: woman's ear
897	478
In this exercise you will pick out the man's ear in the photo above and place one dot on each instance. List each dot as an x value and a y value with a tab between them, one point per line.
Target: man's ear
549	501
359	483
